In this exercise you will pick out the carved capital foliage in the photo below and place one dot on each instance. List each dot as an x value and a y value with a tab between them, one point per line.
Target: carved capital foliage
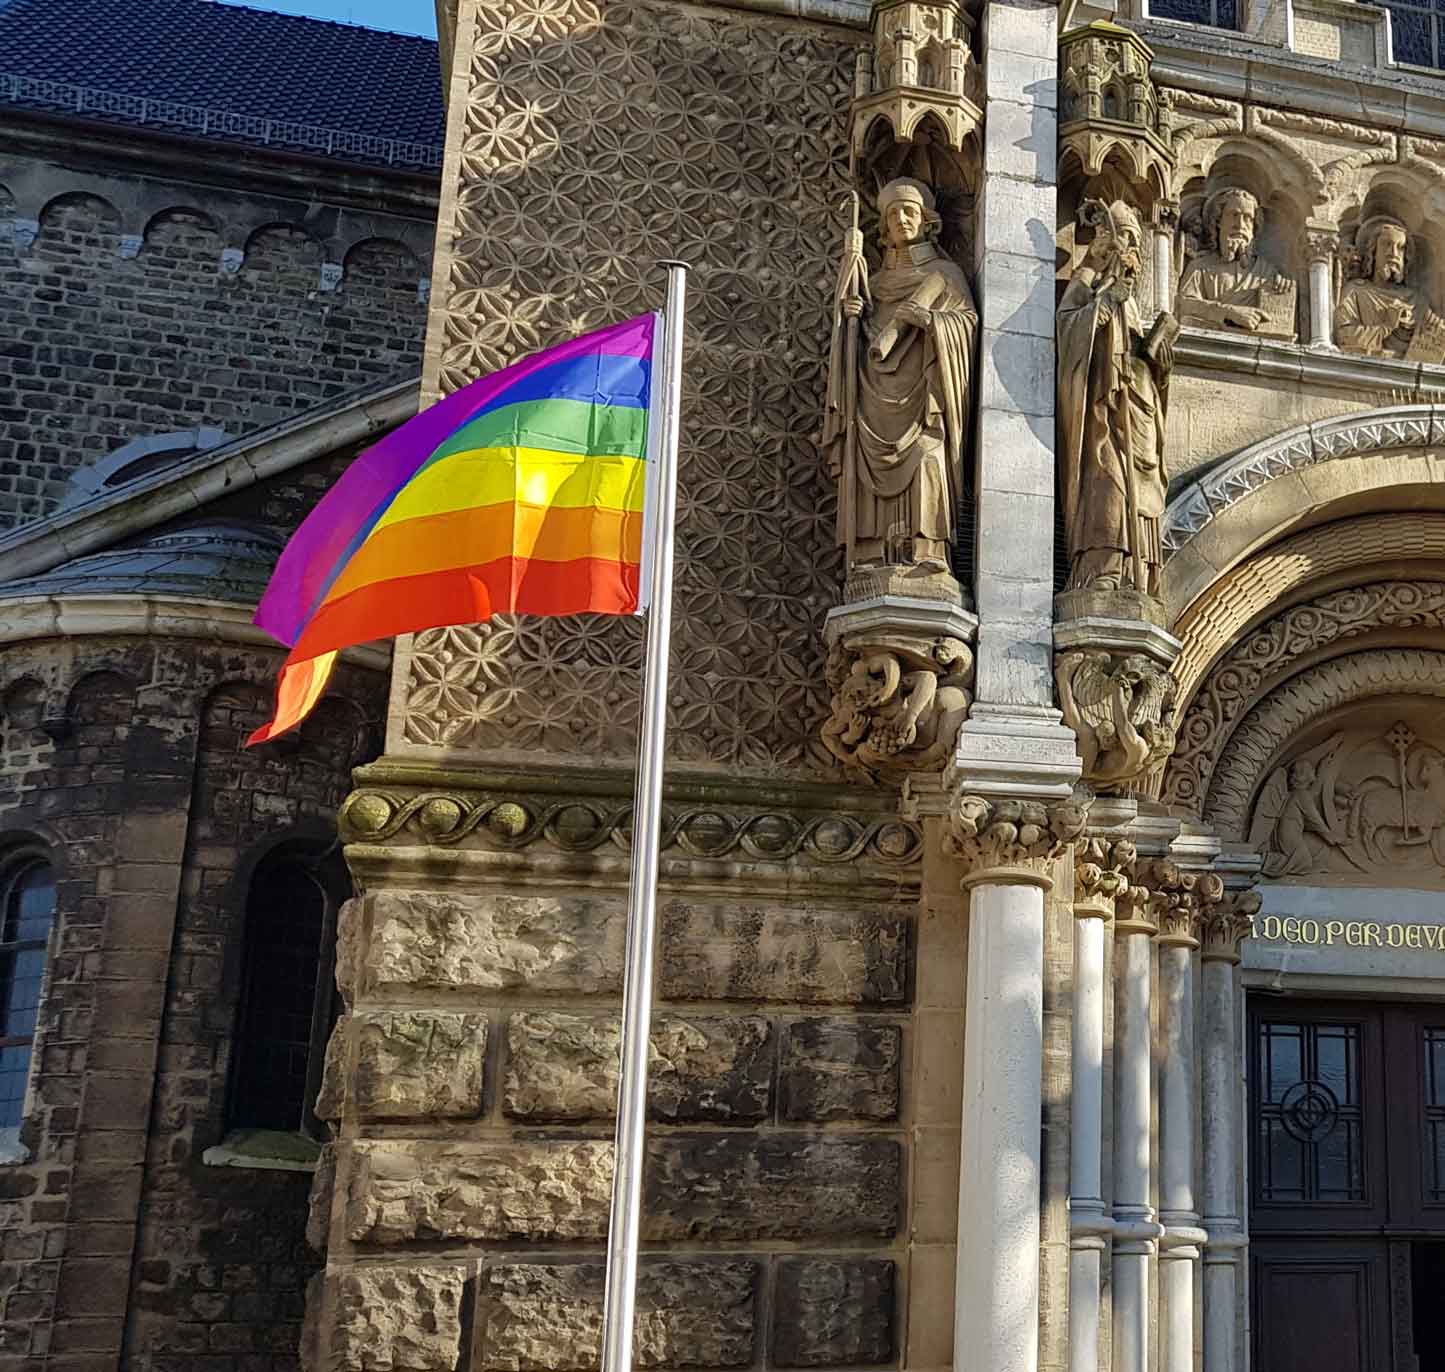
990	834
1320	245
1121	706
1103	873
898	702
513	822
1227	924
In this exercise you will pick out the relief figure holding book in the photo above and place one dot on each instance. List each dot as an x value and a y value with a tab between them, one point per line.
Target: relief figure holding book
1380	313
1231	285
899	388
1113	395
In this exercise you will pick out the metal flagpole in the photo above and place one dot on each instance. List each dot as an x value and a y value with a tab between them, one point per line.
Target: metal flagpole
627	1176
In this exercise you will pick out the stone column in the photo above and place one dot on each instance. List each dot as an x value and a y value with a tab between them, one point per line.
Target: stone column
1183	1238
1166	221
1013	739
1320	246
1006	846
1227	1242
1136	1230
1097	880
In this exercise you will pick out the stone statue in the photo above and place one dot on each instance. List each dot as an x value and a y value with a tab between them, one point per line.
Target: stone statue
1229	285
1380	314
1113	392
898	396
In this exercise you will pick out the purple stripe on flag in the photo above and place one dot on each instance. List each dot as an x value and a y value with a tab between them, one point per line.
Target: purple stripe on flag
329	532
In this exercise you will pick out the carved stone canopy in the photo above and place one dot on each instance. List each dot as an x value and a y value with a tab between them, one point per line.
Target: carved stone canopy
917	90
1110	109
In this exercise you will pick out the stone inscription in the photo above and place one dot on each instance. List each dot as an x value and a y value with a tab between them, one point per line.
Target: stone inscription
1352	933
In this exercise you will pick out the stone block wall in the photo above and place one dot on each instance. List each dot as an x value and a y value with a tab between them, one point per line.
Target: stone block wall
140	304
472	1086
122	759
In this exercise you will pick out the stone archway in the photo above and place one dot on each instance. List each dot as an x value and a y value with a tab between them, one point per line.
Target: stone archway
1290	481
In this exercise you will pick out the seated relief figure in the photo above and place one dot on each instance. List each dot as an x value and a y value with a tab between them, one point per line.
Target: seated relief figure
1380	314
1113	393
1230	285
899	390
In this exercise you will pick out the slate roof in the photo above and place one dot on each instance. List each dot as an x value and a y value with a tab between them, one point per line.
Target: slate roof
282	80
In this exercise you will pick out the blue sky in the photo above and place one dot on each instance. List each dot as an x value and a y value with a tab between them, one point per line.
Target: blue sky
401	16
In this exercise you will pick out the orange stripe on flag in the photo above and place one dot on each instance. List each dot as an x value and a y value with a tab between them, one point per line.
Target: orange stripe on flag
470	595
298	690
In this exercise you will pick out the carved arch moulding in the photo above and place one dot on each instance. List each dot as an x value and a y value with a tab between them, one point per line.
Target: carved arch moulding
1256	495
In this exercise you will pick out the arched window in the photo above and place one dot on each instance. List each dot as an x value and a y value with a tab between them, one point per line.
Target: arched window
27	909
288	997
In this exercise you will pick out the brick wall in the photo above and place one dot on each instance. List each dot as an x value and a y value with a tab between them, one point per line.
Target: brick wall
134	305
123	757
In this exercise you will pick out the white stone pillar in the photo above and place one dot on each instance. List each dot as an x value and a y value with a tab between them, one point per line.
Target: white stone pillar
1223	1140
1089	1224
1007	846
1136	1231
1014	730
1166	220
1320	246
1181	1244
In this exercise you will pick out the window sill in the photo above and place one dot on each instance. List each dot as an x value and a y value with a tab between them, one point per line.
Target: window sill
268	1149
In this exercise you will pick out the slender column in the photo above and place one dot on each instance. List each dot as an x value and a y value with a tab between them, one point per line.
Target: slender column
1320	247
1007	845
1183	1238
1136	1230
1223	1143
1166	220
1095	885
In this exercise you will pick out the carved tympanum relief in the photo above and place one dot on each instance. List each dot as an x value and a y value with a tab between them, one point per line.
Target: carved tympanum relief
1362	802
1230	284
1113	395
1381	313
729	152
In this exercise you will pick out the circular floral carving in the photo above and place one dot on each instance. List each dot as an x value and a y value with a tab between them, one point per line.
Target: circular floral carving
366	813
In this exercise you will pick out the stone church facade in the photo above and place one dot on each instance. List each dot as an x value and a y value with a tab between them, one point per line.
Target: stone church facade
1051	916
1049	974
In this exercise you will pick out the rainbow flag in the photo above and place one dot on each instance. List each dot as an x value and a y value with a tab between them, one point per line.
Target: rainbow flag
529	491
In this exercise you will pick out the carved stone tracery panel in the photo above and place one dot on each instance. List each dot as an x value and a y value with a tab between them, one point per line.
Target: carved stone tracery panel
728	151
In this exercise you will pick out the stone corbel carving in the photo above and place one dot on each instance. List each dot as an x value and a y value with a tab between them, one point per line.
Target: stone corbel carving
898	701
1121	707
1230	284
991	834
1381	314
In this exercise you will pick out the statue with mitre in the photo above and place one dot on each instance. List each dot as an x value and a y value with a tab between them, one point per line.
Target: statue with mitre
898	388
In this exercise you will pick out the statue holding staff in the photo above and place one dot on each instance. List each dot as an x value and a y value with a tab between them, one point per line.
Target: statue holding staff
1113	394
898	388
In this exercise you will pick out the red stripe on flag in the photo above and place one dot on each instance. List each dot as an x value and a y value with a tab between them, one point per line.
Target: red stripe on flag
297	691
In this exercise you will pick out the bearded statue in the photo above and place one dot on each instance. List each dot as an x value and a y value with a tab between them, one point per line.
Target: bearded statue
1113	393
1231	285
1380	313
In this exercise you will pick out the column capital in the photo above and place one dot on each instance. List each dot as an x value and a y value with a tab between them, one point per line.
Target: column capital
1008	841
1183	901
1230	922
1319	242
1103	868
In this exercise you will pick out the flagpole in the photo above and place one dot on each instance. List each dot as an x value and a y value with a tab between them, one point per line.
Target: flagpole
619	1301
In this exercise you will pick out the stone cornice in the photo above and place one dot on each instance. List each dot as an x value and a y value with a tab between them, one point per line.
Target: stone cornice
29	618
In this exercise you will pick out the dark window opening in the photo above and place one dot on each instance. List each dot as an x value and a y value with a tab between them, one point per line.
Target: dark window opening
27	909
1218	14
1415	34
288	999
